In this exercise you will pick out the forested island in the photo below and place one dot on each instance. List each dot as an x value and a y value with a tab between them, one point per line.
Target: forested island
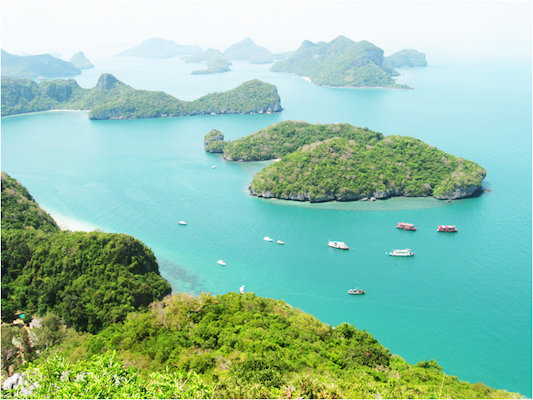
41	66
215	60
80	61
341	62
80	286
407	58
342	162
113	99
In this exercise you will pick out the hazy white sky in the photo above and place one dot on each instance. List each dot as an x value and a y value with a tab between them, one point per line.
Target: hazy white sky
107	27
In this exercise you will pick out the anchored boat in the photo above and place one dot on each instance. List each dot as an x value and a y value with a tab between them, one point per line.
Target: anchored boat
447	228
338	245
356	291
405	226
402	253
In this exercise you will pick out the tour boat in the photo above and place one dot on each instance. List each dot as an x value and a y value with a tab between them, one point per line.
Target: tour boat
280	242
221	262
338	245
266	238
356	291
402	253
447	228
407	227
182	223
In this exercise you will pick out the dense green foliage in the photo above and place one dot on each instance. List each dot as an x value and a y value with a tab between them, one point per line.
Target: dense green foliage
344	169
216	62
19	209
112	99
243	346
159	48
34	67
91	279
285	137
341	62
103	377
214	142
407	58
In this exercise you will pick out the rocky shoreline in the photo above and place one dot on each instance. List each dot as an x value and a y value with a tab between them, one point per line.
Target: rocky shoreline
456	193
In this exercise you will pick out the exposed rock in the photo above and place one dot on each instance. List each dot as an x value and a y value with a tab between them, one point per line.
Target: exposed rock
106	82
458	193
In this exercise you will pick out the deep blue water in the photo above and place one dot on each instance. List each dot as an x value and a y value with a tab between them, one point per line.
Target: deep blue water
464	299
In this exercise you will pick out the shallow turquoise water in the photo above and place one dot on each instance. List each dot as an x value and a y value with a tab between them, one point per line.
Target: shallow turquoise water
464	299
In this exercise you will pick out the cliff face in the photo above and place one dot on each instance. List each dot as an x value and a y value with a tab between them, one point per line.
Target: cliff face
454	194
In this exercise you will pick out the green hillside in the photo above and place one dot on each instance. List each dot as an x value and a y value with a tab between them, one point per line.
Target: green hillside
343	162
112	99
341	62
91	279
34	67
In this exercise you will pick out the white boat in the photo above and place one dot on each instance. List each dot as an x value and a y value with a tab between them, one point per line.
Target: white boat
356	291
214	166
266	238
402	253
338	245
221	262
280	242
182	223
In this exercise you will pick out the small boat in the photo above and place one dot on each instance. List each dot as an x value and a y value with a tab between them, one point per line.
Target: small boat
182	223
447	228
267	239
214	166
221	262
280	242
402	253
356	291
406	226
338	245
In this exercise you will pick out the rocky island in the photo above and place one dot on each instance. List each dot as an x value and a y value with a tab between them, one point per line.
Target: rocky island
113	99
341	63
36	67
215	60
344	163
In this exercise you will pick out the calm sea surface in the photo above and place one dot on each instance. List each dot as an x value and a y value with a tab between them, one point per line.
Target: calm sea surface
464	299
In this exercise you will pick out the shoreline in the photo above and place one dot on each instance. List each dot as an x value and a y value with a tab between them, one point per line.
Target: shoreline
71	224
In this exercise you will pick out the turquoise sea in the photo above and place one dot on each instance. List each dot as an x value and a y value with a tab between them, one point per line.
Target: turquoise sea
465	299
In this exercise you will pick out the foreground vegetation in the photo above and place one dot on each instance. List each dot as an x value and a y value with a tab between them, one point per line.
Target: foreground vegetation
183	346
112	99
91	279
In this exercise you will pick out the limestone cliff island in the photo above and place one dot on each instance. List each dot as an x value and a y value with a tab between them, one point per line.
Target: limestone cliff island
113	99
341	162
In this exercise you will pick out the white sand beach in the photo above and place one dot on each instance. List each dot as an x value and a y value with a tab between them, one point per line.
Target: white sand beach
71	224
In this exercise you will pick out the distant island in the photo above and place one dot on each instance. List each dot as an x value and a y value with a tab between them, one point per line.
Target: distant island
341	63
159	48
215	60
36	67
407	58
113	99
345	163
80	61
246	49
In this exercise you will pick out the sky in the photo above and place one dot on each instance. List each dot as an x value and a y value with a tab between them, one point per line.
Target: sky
104	28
